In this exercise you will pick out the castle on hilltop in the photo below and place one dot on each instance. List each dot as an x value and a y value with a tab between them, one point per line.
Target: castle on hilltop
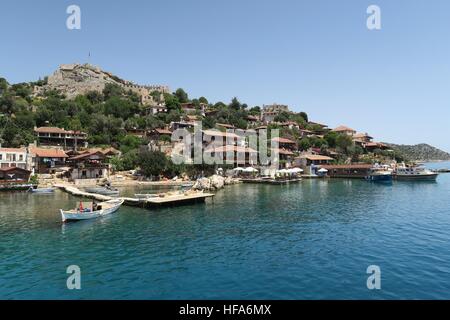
75	79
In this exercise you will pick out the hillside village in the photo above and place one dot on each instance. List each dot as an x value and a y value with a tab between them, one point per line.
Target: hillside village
83	124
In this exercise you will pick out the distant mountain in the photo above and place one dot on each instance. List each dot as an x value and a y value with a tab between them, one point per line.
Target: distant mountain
419	152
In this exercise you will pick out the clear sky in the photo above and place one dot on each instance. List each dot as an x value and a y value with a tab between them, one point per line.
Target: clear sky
316	56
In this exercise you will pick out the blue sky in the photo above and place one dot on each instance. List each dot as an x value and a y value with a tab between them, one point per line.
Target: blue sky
316	56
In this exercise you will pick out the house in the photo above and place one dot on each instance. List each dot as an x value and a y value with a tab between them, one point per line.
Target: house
362	137
155	109
175	125
232	154
252	120
285	156
348	170
58	137
160	134
345	130
285	143
225	126
191	108
140	133
14	157
219	138
108	152
45	161
306	160
372	146
306	133
89	165
290	125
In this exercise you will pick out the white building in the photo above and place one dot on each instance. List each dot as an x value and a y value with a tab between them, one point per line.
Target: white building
13	157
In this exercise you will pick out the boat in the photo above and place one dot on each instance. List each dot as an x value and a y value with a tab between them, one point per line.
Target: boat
42	190
415	173
106	191
90	210
379	174
15	186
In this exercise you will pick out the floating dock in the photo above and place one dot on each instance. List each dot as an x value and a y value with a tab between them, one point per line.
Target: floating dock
166	200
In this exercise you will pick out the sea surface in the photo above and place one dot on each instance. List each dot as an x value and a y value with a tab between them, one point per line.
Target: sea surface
312	240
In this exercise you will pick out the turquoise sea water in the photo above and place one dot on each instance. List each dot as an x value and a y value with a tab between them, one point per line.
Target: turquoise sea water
311	240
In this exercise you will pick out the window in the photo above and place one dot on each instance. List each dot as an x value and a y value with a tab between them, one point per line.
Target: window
1	156
20	157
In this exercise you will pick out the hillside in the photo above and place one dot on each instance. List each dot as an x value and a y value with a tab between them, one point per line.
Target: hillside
420	152
78	79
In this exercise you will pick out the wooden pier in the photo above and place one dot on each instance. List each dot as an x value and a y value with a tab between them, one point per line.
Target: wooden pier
166	200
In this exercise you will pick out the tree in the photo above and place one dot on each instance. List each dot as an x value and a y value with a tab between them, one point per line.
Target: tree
172	101
181	95
203	100
344	142
255	111
304	144
304	116
235	104
3	85
282	117
152	163
112	90
331	137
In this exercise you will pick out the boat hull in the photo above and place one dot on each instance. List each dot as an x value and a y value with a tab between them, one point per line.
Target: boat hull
379	178
417	177
75	216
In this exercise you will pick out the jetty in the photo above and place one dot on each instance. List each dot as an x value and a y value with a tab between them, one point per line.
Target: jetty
165	200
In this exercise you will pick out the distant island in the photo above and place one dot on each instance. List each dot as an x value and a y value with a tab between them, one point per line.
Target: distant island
420	152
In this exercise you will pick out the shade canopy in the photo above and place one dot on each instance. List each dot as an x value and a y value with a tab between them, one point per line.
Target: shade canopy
238	169
250	169
322	170
296	170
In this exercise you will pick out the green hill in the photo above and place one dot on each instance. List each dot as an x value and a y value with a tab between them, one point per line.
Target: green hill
419	152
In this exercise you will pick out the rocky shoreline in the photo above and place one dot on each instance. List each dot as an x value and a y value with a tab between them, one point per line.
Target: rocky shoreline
214	182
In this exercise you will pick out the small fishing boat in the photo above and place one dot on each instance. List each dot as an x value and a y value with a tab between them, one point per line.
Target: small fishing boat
379	174
106	191
42	190
416	173
91	210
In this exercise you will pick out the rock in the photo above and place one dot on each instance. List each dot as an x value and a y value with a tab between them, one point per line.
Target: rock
217	182
202	184
228	181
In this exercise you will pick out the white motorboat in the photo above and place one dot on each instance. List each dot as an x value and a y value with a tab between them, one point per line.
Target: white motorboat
91	211
42	190
417	173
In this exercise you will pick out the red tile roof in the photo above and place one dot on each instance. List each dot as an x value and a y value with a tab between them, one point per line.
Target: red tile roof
313	157
13	150
342	129
348	166
48	153
283	140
